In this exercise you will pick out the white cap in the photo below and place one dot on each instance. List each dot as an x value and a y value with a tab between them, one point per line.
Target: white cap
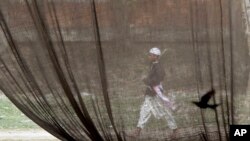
155	51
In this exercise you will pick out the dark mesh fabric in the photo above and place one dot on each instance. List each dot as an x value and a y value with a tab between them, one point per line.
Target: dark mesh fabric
75	67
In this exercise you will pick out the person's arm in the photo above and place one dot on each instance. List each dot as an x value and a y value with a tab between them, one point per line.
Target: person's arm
164	98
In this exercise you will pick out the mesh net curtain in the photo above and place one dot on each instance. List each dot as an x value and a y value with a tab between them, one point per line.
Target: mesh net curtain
75	67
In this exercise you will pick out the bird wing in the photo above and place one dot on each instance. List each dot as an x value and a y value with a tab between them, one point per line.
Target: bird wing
205	98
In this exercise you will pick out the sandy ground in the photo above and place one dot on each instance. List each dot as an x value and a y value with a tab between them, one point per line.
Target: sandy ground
26	135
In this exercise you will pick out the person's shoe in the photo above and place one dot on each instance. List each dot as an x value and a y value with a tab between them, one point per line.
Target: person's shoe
135	133
174	134
173	107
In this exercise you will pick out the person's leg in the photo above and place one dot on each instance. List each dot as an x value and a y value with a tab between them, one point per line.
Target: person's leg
145	114
170	119
171	123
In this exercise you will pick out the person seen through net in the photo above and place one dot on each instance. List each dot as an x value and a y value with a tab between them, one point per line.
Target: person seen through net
155	103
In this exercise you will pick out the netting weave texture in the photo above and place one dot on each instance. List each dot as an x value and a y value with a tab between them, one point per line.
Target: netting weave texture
76	67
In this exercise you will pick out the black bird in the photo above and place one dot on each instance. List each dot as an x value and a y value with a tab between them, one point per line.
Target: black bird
203	103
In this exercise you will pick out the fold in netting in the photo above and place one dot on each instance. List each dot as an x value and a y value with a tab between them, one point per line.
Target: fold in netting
76	68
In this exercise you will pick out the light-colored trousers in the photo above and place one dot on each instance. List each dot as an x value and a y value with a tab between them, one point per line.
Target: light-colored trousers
154	105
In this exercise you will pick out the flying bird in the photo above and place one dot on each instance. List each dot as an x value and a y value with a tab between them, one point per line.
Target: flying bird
203	103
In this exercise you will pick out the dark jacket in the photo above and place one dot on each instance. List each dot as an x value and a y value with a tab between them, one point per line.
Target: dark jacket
154	78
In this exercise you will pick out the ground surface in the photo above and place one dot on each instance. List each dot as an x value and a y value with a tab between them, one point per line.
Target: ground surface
15	126
26	135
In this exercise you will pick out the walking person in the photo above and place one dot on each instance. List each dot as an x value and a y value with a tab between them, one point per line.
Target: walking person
155	103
